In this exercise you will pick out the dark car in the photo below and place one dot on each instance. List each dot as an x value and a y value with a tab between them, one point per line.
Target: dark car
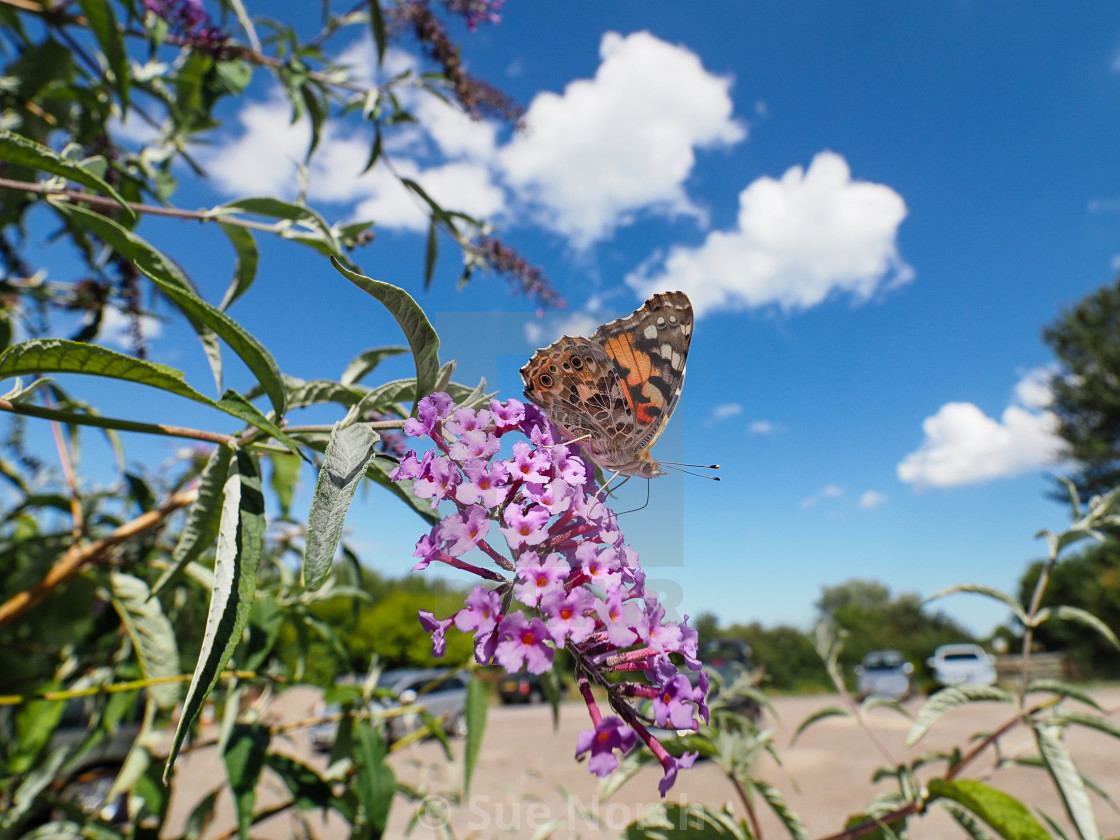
729	661
524	687
439	692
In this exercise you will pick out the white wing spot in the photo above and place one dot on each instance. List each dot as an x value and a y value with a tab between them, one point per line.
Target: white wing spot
650	332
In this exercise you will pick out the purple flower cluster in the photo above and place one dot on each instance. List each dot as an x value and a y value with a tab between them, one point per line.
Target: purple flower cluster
188	22
476	11
568	579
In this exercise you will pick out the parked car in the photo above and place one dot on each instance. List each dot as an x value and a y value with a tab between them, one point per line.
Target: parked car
524	687
730	660
440	692
961	664
883	673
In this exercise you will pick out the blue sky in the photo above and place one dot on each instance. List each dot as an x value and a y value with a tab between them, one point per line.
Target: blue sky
874	207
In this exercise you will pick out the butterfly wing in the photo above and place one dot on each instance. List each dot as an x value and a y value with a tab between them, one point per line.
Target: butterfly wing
649	349
577	385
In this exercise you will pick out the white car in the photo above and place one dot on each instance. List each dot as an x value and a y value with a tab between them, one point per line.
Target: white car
962	664
884	673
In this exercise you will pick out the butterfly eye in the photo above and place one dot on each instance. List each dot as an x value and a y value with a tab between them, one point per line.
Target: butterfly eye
545	380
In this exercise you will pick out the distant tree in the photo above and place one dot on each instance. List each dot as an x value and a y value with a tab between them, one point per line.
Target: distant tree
1090	581
1086	387
875	620
707	627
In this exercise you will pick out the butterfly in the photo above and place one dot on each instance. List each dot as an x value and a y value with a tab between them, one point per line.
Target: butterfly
617	389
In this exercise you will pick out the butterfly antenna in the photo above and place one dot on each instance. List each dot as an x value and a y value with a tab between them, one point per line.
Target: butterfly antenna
644	504
679	468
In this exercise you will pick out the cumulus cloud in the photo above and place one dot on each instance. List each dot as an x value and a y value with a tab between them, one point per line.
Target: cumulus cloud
116	328
871	499
541	333
621	142
723	412
962	445
810	234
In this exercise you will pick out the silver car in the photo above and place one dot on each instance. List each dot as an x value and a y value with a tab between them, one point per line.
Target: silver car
962	664
884	673
440	692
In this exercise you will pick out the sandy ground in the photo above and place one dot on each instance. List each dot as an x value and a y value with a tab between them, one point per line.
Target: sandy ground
527	778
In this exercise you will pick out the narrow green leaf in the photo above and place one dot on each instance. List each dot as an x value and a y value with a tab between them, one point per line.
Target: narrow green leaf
203	516
57	355
1067	778
235	404
1087	619
377	23
1004	598
476	727
819	715
365	362
309	791
671	821
284	478
200	816
1064	690
245	269
99	16
1004	814
244	757
777	802
376	782
21	151
203	316
422	338
302	394
948	699
235	580
349	453
1101	724
431	253
437	211
152	636
274	208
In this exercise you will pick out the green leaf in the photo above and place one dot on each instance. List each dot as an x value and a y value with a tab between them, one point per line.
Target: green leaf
235	580
204	317
670	821
245	269
820	714
244	757
302	394
284	478
99	16
364	363
235	404
1101	724
17	149
1083	617
1008	817
349	453
285	211
422	338
152	636
777	802
1064	690
376	783
431	253
948	699
309	791
200	816
1067	778
1004	598
203	516
475	711
56	355
377	23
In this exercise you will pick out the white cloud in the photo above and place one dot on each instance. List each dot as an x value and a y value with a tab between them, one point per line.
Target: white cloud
621	142
810	234
541	333
724	411
829	491
871	499
764	427
962	445
116	328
